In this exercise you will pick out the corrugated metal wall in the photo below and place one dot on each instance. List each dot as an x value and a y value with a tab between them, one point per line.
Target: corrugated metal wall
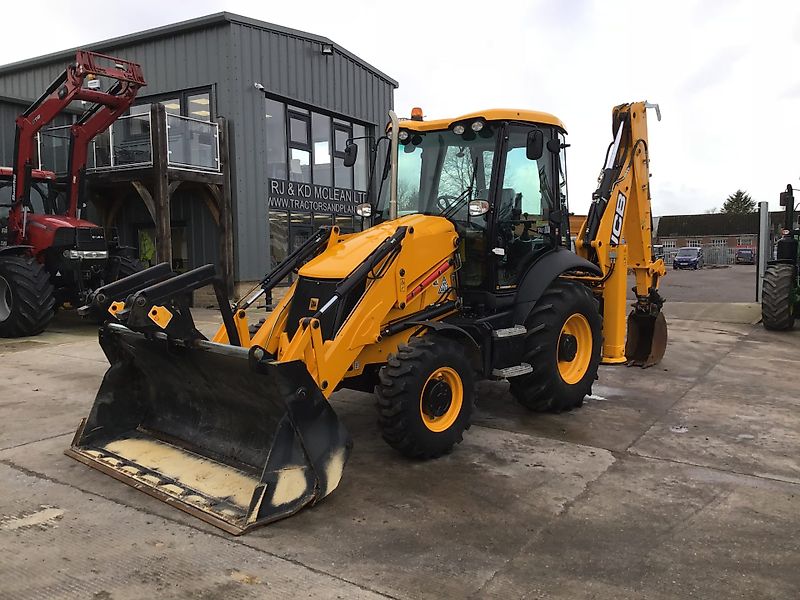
230	57
293	68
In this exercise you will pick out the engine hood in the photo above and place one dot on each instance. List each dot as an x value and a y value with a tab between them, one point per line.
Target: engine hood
339	261
53	222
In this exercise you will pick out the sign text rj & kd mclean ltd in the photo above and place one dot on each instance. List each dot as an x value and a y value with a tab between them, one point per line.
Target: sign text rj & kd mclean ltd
307	197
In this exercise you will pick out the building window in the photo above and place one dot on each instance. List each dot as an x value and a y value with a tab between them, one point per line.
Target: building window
276	139
199	106
321	141
195	104
695	243
669	243
299	147
172	105
719	242
746	240
308	184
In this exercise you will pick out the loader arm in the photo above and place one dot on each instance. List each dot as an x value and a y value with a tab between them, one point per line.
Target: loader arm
106	107
617	236
238	430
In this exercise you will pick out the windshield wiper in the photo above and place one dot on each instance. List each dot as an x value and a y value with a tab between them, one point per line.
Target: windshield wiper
456	205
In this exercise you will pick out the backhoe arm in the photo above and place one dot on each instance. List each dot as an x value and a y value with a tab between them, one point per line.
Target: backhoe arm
617	236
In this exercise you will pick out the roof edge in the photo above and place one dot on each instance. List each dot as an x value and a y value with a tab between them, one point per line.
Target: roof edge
188	25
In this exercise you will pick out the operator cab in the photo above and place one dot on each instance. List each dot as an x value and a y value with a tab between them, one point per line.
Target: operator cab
500	177
43	197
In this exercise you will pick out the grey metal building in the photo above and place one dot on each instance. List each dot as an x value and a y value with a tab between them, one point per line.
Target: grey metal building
289	101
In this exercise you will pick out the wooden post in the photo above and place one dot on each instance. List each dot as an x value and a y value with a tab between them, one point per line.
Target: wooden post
225	206
158	129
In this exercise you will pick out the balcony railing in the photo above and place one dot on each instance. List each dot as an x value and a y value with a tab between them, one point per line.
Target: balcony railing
191	144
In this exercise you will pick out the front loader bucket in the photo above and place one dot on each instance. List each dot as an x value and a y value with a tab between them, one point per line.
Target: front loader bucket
647	339
210	429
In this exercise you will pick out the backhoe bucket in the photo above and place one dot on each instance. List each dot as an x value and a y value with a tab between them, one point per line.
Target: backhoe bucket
647	339
236	441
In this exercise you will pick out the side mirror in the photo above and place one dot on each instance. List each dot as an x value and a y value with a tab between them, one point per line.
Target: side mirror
787	198
364	210
350	154
554	145
535	144
478	208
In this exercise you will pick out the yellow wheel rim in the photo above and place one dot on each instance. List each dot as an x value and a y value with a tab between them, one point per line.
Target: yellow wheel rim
574	351
441	399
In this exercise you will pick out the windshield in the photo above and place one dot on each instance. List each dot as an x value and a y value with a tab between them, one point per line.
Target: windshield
38	197
687	252
436	170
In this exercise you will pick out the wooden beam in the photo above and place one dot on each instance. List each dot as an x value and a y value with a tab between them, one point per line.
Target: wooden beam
226	205
111	212
161	196
146	197
212	199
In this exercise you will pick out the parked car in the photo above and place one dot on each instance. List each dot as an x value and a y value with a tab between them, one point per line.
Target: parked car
689	258
745	256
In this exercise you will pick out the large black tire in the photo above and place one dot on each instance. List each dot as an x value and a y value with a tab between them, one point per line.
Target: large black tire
777	308
128	266
26	297
564	366
425	397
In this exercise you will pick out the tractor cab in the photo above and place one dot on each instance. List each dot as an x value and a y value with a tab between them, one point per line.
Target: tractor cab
499	176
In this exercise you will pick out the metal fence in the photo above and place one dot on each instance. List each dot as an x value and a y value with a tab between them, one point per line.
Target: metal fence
191	144
712	255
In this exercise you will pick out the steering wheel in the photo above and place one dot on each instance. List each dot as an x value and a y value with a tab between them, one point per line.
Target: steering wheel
445	201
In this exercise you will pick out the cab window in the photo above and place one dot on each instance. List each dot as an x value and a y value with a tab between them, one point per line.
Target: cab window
524	203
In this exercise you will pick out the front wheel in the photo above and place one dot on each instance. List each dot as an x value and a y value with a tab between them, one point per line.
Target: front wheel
425	397
563	345
26	297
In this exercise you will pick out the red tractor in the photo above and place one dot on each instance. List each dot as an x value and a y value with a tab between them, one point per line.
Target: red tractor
49	256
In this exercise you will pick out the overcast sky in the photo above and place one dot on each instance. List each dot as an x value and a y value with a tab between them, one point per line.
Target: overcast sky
724	72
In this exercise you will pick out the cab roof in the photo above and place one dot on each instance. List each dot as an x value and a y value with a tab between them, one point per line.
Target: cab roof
489	114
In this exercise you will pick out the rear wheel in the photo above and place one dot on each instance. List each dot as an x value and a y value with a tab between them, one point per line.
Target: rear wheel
777	306
425	397
26	297
563	345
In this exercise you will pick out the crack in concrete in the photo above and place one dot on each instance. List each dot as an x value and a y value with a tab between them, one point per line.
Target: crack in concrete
774	479
238	541
44	439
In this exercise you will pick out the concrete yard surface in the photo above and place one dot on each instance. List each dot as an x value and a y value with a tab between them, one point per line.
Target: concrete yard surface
678	481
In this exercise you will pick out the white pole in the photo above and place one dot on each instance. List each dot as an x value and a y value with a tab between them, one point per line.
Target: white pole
393	148
764	245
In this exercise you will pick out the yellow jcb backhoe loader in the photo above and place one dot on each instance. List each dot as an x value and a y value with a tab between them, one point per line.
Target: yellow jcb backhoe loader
464	274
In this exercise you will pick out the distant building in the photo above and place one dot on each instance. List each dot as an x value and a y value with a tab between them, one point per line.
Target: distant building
719	233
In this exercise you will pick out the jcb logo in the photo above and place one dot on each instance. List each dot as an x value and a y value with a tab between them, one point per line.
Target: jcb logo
619	215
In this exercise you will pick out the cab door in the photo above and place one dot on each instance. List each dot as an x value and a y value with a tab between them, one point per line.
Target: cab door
524	199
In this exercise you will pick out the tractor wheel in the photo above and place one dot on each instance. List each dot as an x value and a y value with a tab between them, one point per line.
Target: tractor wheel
128	266
563	345
26	297
425	397
777	308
